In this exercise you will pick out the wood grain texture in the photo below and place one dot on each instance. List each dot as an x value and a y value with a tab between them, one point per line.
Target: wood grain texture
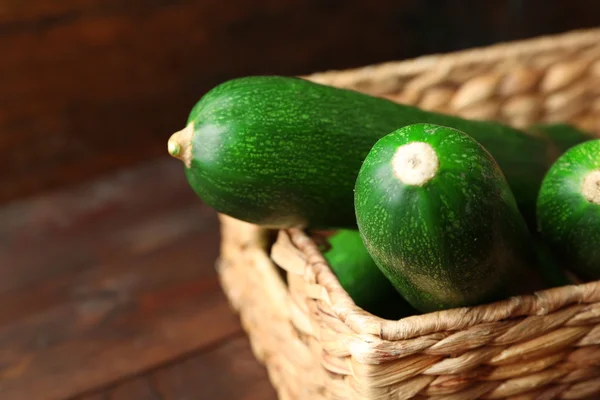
106	280
228	371
141	388
89	85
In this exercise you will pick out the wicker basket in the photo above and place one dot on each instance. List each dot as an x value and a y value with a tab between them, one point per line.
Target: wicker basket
317	344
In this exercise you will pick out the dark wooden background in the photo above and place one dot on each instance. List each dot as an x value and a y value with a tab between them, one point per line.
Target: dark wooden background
88	86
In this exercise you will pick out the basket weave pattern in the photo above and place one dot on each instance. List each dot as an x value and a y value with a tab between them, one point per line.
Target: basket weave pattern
317	344
548	79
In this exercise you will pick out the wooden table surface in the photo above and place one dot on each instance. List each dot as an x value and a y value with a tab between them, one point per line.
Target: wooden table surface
108	291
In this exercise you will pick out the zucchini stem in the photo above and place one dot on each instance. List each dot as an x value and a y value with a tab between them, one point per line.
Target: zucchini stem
180	144
591	187
415	163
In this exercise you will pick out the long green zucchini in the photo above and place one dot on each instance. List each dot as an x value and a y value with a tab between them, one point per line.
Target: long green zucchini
284	151
564	136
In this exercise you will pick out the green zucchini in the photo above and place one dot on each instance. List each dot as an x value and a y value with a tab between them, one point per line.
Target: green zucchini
284	151
551	268
361	278
564	136
437	216
568	209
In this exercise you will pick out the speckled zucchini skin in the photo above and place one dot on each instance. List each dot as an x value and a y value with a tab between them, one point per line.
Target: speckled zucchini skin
284	151
361	278
457	240
567	220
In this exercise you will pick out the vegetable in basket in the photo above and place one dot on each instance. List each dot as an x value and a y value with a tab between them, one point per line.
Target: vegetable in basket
361	278
563	135
284	151
569	209
438	217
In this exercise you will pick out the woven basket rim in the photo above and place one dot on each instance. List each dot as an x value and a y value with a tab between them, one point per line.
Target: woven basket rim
527	47
362	322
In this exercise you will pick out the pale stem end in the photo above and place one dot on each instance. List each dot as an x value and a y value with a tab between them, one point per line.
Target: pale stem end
180	144
415	163
591	187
